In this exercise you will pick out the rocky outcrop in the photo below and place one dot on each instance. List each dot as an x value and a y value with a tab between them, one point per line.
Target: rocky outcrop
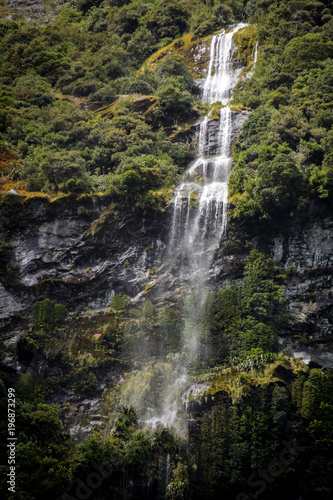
306	249
79	252
212	146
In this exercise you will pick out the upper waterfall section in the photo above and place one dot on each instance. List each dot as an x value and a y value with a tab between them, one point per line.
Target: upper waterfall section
200	203
223	71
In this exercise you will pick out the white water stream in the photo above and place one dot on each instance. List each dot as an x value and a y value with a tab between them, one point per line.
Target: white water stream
199	221
201	202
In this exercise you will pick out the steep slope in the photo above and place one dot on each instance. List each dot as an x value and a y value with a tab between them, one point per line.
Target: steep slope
129	305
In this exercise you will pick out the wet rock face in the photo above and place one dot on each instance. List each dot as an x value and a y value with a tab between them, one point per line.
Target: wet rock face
9	303
306	250
39	250
85	255
305	247
80	256
213	143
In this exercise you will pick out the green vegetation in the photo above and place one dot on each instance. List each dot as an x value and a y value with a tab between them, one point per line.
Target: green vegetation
47	315
245	438
94	102
120	302
283	156
48	462
56	77
237	441
250	314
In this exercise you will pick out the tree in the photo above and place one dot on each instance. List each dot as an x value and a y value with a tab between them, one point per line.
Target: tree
306	52
169	19
48	316
175	66
173	105
130	185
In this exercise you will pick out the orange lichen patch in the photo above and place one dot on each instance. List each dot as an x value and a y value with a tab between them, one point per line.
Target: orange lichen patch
8	161
7	184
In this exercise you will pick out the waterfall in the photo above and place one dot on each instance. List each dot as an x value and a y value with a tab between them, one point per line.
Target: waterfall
222	74
199	220
255	57
200	203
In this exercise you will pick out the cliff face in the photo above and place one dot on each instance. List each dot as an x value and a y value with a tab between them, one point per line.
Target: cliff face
305	248
79	251
88	253
82	251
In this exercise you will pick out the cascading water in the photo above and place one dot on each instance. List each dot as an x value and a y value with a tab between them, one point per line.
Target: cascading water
222	74
199	220
200	203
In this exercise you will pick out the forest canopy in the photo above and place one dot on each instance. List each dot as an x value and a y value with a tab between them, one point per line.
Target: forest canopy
57	75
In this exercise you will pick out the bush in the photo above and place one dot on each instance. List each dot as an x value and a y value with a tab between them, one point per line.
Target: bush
137	87
120	301
175	66
306	52
322	178
85	382
75	185
169	19
204	29
173	105
86	87
250	312
278	187
48	316
55	169
105	94
172	326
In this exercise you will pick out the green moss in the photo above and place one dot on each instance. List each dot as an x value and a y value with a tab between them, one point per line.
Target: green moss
139	103
245	40
186	46
239	108
237	382
194	200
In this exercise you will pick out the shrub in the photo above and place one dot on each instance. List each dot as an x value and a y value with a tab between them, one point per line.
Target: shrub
169	19
85	382
120	301
175	66
48	316
137	87
173	105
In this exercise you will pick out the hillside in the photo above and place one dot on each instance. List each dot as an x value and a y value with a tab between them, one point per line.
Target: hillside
166	248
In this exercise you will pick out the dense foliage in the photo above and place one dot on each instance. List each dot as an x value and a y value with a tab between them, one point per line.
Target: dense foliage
239	441
242	447
91	52
50	465
283	157
250	314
